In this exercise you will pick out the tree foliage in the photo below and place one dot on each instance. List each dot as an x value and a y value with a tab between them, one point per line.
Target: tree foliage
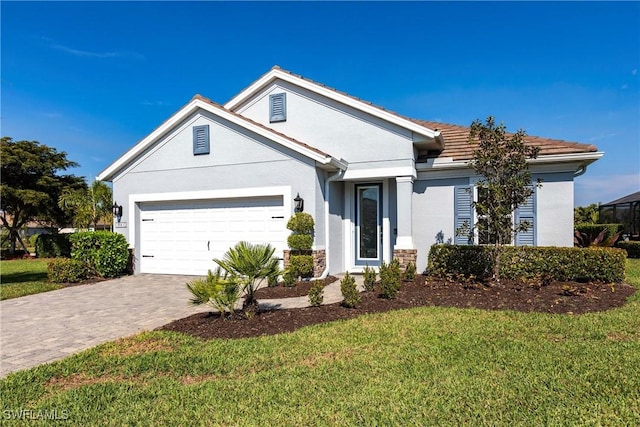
586	214
31	185
505	181
88	205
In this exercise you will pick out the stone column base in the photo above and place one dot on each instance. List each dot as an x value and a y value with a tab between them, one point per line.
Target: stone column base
405	256
319	260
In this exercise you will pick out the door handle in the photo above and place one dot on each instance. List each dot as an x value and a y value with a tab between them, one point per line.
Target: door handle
208	242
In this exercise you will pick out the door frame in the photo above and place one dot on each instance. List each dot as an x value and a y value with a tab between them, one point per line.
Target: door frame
349	223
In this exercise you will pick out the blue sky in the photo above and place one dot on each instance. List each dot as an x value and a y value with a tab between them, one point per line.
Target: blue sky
92	78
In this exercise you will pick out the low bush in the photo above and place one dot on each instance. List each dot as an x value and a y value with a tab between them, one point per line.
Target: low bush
105	252
65	270
349	291
218	290
53	246
316	293
591	231
301	265
632	248
272	281
390	279
409	271
301	223
525	262
370	276
289	278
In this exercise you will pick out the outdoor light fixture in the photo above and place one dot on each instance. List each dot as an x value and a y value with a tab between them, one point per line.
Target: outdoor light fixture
299	203
117	211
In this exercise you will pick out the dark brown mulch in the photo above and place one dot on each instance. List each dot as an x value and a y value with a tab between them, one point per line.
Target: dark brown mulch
557	297
299	290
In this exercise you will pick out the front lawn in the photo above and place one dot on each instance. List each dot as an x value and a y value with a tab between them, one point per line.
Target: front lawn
19	277
423	366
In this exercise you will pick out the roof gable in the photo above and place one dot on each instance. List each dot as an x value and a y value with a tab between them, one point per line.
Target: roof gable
200	102
422	134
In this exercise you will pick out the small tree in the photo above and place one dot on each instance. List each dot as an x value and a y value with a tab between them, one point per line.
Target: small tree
586	214
88	205
501	161
31	185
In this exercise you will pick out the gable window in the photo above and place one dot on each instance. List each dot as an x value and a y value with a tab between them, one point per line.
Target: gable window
277	107
200	140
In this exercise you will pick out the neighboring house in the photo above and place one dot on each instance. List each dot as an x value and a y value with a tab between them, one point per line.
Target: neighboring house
377	184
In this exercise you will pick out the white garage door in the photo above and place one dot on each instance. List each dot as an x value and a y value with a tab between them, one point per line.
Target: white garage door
184	237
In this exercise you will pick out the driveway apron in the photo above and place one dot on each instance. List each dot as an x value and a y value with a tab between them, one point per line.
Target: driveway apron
41	328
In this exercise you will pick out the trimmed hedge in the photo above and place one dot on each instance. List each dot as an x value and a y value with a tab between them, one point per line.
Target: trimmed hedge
592	230
104	251
517	262
632	248
301	265
53	246
65	270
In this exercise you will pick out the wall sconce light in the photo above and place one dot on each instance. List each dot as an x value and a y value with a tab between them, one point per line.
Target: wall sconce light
299	203
117	211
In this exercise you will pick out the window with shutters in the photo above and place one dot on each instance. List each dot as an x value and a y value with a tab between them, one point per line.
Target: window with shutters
200	140
277	107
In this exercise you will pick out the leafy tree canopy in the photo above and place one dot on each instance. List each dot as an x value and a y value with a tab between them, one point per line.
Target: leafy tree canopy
586	214
505	181
31	185
88	205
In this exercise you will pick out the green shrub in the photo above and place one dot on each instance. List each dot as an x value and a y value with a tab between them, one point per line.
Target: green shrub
460	260
53	246
592	230
409	271
369	278
316	293
289	278
390	279
33	239
300	242
349	291
272	281
104	251
301	223
525	262
632	248
301	265
217	289
65	270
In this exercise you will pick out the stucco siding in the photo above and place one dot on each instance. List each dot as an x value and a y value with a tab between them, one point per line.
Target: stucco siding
336	225
554	210
238	160
339	130
433	214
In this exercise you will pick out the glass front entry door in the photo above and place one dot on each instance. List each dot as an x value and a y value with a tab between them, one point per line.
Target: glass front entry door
368	230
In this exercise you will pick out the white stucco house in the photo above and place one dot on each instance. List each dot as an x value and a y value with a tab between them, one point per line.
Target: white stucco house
377	184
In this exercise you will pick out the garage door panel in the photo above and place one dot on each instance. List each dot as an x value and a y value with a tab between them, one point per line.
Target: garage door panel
184	237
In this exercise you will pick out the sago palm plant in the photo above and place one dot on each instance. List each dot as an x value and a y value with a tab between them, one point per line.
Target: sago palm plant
250	264
217	289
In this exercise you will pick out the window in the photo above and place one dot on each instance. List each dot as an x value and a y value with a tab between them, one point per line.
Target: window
277	107
200	140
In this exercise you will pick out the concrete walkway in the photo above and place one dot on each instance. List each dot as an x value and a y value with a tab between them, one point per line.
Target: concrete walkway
41	328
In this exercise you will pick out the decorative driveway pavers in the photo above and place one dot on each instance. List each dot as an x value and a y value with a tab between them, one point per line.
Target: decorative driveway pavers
41	328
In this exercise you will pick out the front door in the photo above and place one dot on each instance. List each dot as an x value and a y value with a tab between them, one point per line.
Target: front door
368	230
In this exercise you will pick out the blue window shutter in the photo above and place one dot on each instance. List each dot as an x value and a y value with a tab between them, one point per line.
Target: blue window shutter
201	139
527	212
277	107
463	212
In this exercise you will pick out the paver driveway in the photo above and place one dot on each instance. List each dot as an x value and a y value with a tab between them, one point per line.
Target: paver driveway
40	328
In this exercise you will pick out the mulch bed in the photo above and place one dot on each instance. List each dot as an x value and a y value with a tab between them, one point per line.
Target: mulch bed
556	297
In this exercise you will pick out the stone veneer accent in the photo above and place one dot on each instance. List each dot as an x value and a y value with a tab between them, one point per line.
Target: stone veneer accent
405	256
319	260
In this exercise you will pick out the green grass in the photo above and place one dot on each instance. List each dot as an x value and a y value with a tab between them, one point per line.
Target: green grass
21	277
425	366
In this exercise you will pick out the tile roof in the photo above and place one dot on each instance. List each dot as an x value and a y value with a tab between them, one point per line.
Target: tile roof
631	198
457	146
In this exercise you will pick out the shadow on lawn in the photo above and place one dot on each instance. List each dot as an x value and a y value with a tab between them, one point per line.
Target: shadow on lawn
24	276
